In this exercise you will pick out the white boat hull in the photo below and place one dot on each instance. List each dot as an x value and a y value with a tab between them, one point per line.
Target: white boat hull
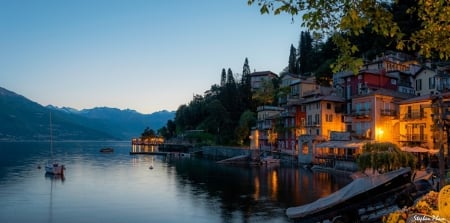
54	168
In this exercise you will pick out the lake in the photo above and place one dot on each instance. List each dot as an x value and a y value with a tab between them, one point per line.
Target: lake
120	187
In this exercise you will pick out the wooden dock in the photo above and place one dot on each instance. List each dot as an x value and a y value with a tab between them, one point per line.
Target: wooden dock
149	153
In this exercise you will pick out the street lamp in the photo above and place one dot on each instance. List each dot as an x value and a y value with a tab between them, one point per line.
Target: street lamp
379	134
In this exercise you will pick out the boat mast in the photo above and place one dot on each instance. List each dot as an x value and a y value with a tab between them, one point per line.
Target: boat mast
51	137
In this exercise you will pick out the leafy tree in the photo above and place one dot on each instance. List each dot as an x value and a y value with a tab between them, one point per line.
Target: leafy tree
384	157
148	133
341	19
246	122
266	94
168	131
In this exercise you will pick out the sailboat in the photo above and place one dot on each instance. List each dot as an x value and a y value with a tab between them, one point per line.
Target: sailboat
52	166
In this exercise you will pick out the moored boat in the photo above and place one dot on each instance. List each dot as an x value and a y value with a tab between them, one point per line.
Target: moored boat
359	198
107	150
52	166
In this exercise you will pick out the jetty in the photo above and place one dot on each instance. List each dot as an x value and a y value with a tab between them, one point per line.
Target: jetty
165	149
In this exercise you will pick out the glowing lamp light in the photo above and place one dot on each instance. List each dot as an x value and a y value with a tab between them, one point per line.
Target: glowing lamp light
379	133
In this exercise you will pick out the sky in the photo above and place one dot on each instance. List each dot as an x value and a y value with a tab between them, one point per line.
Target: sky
144	55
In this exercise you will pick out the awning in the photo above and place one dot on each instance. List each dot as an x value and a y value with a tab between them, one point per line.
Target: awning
418	149
340	144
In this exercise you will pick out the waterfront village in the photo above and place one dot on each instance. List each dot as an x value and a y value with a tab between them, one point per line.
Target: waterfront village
391	99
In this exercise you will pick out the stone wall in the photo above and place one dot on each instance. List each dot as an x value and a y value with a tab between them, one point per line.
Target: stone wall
222	152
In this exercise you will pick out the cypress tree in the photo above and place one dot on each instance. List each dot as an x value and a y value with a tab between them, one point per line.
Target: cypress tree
292	60
223	78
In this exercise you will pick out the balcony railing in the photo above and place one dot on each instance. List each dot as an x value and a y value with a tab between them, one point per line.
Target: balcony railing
415	137
312	124
414	115
388	112
361	114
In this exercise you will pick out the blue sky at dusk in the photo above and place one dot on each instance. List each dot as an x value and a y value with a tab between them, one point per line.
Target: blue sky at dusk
146	55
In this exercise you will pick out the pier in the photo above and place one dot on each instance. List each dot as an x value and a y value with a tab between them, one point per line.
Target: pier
165	149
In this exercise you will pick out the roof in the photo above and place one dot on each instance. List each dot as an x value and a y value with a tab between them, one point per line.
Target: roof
422	98
263	73
425	98
387	92
333	98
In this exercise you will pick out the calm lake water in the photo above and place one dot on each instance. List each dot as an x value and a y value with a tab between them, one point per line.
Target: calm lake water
119	187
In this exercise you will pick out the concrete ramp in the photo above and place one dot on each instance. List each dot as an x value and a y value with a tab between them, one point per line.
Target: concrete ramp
241	159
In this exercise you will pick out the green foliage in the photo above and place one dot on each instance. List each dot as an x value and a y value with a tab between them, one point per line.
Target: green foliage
384	157
246	122
292	65
148	133
354	18
266	94
219	113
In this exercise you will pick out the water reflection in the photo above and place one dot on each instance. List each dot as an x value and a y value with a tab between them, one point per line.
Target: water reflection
120	187
249	193
54	179
143	148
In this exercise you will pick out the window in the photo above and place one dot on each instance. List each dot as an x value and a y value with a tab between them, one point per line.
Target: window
329	117
358	128
367	105
316	119
358	107
328	106
431	83
418	84
348	92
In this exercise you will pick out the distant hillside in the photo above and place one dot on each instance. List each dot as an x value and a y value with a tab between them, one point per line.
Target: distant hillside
23	119
124	123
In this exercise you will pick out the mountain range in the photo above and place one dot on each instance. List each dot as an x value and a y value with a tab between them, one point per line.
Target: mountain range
23	119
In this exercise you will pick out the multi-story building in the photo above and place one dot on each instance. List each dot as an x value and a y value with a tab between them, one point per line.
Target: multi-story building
324	115
265	135
375	115
293	118
416	122
257	79
388	100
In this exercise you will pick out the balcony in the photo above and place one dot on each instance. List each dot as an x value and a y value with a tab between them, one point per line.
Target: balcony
414	115
348	119
414	138
388	112
312	124
361	114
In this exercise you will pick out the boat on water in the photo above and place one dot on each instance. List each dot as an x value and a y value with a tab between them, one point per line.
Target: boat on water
269	160
52	166
107	150
361	200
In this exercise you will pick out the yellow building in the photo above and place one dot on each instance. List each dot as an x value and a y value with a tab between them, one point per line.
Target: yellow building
375	115
416	123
